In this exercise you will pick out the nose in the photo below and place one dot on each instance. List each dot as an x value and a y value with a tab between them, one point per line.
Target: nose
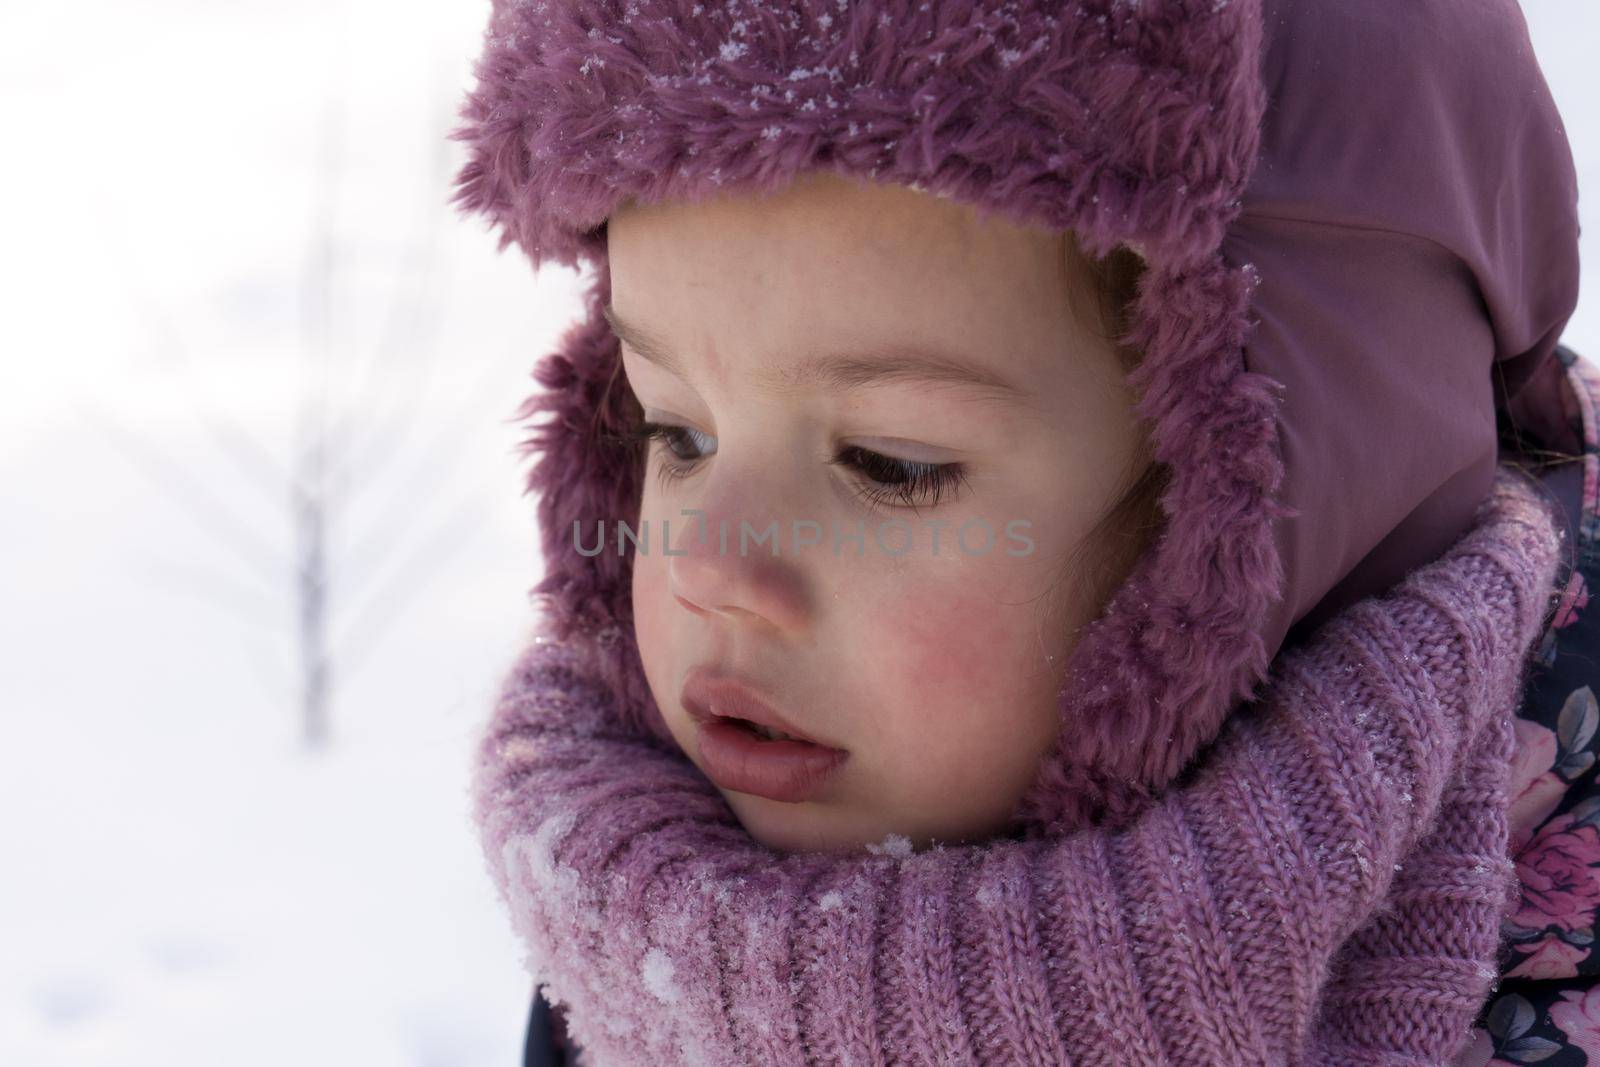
714	572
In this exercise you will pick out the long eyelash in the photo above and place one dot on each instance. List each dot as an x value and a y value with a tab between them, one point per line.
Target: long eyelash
670	468
931	480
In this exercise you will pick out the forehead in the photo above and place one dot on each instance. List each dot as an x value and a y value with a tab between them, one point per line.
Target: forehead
835	283
880	364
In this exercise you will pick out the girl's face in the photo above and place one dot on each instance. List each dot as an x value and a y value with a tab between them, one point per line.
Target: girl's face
831	358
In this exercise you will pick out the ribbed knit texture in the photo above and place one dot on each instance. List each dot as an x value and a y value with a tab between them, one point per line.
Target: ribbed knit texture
1324	886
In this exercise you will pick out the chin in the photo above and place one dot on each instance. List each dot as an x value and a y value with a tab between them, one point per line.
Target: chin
805	827
812	827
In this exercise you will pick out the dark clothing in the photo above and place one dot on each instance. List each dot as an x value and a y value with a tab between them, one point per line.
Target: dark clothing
546	1044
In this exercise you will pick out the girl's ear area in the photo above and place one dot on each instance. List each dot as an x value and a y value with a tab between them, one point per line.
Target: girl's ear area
1101	292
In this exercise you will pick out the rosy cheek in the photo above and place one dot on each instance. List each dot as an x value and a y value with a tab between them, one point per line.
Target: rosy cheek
945	643
961	724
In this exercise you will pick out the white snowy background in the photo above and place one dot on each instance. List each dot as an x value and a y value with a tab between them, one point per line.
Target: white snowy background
184	883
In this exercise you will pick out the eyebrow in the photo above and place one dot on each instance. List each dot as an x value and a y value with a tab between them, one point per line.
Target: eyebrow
881	364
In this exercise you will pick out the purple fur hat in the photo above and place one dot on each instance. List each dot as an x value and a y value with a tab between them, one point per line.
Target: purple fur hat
1359	225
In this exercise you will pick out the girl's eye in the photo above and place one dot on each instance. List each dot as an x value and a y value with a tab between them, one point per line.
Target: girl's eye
675	463
897	482
678	438
900	482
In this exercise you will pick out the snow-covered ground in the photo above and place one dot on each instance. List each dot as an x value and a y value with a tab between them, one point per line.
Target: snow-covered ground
183	883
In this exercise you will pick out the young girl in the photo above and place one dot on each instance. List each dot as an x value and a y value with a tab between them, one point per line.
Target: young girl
1040	559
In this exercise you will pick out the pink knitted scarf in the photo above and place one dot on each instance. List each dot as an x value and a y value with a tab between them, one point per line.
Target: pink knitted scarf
1323	885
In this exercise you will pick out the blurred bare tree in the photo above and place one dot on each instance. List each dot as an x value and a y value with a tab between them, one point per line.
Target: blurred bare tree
335	455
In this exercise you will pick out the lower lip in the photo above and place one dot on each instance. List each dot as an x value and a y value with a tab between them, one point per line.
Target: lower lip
790	771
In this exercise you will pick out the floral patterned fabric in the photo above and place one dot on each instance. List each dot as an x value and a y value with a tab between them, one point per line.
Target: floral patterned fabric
1545	1007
